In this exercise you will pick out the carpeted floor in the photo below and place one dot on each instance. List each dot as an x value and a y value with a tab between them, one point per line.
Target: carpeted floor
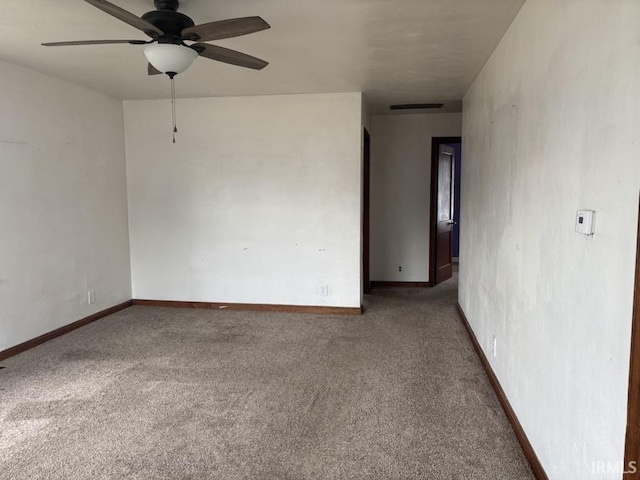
153	393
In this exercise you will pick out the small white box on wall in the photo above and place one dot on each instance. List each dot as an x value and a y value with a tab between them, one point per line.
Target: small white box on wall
585	222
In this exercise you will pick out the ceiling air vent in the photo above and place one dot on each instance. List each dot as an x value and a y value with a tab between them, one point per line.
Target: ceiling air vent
416	106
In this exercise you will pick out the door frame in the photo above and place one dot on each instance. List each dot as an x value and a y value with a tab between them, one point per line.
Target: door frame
433	207
632	443
366	211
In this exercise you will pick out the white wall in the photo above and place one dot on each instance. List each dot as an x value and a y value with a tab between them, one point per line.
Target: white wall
551	126
400	192
257	202
63	213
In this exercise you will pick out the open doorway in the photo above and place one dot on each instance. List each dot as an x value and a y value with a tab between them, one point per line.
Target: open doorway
366	207
444	241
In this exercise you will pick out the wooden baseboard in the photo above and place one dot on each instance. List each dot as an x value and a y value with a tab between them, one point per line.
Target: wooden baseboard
251	307
529	452
401	284
29	344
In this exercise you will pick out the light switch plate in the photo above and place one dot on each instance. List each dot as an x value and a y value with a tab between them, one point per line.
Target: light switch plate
585	222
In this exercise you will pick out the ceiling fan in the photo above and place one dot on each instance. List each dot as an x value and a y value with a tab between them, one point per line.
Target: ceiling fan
169	30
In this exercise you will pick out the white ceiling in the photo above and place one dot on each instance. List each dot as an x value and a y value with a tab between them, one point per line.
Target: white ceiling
395	51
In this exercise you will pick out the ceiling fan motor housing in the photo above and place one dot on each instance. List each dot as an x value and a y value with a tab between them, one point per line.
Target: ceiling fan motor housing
166	4
170	22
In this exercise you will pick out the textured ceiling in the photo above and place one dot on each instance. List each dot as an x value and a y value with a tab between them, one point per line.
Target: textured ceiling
395	51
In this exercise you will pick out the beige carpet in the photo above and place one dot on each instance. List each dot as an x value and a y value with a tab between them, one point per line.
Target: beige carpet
153	393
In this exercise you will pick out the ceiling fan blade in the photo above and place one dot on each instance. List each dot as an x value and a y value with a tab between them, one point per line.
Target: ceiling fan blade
225	55
125	16
234	27
151	70
94	42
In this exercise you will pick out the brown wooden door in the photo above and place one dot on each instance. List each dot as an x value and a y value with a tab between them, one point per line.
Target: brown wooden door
444	213
632	448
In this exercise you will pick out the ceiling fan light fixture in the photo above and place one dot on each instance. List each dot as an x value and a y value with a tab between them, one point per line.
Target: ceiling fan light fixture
170	58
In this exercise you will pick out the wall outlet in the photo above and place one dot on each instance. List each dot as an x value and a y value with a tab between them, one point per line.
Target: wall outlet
324	290
494	345
91	297
399	268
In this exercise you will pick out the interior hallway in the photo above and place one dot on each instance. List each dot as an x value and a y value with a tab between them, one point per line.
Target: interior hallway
398	393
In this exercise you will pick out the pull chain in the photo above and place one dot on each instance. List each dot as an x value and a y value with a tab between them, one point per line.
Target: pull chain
173	108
